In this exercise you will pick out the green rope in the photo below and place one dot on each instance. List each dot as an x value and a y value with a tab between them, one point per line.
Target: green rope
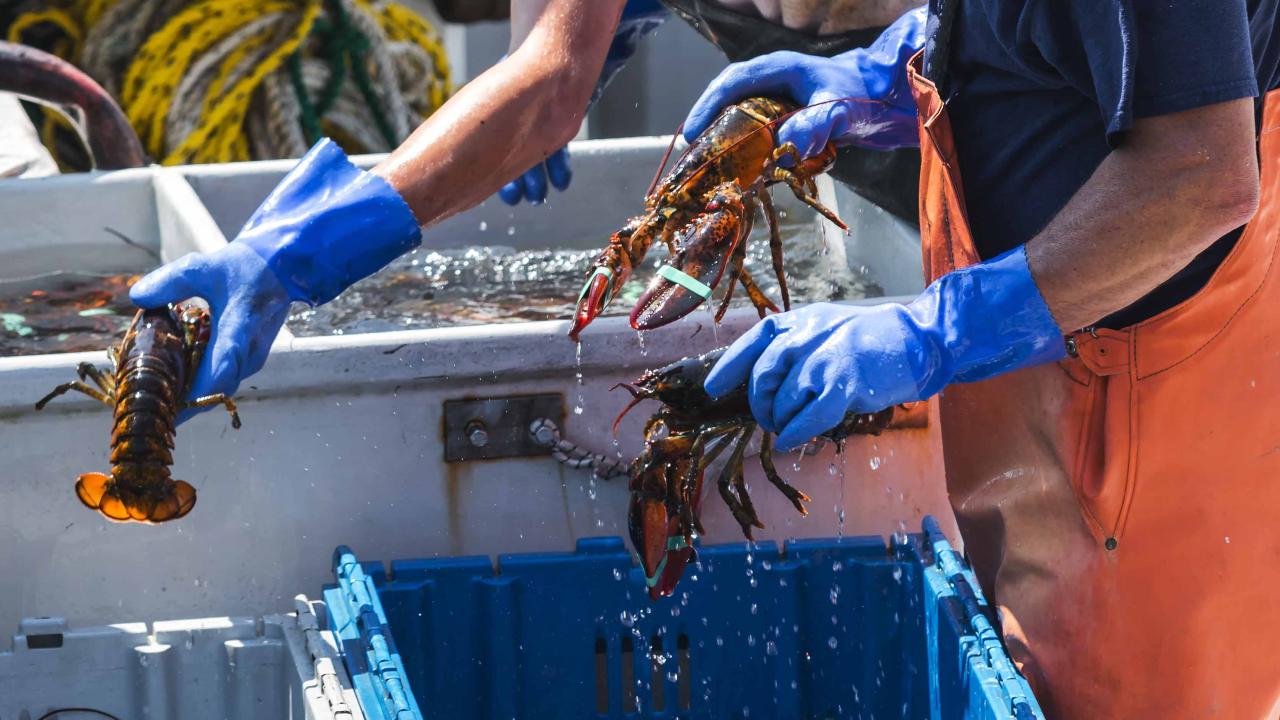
309	119
344	48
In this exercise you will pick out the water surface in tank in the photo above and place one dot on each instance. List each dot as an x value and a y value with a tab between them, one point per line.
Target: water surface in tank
70	312
499	284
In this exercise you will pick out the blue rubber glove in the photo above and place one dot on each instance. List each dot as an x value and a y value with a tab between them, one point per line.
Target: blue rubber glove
808	367
639	18
325	226
836	91
532	185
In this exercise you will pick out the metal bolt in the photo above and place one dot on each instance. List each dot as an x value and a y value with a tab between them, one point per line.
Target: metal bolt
476	433
1111	543
544	432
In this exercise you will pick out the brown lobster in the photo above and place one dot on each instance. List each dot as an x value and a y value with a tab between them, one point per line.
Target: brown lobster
682	439
152	369
703	210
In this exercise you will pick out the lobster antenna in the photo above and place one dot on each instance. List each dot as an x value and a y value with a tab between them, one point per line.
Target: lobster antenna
665	157
636	399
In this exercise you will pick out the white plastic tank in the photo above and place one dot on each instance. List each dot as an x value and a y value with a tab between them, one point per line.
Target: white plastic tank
343	437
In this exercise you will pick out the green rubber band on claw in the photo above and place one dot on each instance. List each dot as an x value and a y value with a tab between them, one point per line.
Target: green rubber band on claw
608	296
688	282
674	542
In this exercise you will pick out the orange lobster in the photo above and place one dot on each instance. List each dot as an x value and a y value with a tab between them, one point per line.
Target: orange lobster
703	210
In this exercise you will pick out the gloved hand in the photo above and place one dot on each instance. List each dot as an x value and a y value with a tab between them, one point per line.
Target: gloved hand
808	367
639	18
860	97
532	185
325	226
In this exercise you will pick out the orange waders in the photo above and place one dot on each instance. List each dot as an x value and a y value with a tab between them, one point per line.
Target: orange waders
1122	507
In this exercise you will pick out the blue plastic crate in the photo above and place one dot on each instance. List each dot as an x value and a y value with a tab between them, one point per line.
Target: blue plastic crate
839	628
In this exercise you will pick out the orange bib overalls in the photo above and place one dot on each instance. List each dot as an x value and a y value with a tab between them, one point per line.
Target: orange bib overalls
1122	507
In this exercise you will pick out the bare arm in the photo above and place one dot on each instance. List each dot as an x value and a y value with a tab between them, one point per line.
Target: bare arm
1177	184
513	115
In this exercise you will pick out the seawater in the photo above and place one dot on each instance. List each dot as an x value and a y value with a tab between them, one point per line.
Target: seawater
500	284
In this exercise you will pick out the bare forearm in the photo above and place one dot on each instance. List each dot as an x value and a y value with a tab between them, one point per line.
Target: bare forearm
509	118
1178	183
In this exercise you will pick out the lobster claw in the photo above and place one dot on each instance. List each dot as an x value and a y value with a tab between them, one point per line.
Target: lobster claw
705	248
609	273
595	297
663	549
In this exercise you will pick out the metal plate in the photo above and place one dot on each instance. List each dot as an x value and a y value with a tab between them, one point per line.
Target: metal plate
505	422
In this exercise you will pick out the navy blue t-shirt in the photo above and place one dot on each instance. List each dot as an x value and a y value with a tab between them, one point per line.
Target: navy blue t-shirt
1042	90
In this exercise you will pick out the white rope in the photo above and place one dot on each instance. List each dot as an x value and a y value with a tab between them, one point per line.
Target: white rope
545	433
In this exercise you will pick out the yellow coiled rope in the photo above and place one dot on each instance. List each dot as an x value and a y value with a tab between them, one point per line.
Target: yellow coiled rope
227	80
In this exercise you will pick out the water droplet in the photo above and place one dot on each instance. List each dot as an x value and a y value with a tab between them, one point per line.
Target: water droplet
831	469
875	462
627	619
511	230
834	594
483	226
719	641
577	409
617	574
771	648
751	641
897	574
754	608
832	642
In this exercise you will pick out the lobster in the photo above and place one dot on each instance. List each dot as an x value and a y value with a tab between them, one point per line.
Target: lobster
703	210
152	369
688	433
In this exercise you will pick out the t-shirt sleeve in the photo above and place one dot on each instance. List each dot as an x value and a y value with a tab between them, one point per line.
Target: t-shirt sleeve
1143	58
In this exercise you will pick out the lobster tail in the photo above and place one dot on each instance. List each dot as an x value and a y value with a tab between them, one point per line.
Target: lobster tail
169	501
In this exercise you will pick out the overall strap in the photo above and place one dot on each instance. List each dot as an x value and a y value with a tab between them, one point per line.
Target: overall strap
939	31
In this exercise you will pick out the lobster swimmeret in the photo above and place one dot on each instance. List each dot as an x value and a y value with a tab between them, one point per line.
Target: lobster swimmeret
703	210
682	439
152	371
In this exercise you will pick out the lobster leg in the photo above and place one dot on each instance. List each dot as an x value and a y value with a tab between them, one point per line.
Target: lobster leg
107	382
218	399
797	186
740	487
796	497
78	386
735	268
703	459
775	246
758	298
733	489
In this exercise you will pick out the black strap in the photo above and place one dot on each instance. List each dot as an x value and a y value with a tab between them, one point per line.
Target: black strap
939	31
742	37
